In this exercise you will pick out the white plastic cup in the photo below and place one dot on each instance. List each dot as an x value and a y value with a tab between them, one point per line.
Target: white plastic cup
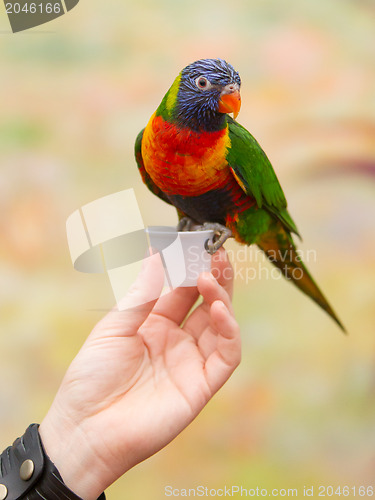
184	254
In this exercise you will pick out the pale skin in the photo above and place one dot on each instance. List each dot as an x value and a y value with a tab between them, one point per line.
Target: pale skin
141	377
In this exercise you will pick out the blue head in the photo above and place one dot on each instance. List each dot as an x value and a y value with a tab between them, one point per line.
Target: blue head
208	89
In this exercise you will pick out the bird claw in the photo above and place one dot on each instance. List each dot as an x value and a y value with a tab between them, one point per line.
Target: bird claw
185	224
222	233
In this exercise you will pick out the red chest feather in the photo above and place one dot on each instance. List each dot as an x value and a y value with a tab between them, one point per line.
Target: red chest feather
184	162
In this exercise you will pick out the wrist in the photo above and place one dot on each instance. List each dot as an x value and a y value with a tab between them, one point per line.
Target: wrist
71	453
26	471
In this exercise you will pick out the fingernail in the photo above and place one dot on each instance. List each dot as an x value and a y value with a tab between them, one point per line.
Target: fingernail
222	305
212	277
207	274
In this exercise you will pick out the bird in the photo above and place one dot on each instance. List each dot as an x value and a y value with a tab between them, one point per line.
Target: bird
195	156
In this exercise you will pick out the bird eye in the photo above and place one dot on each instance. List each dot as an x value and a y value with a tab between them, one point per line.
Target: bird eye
202	83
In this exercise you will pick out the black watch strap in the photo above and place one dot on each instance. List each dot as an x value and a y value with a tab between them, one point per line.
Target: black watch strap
27	473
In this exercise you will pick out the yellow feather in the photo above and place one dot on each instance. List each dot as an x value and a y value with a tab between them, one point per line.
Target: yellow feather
172	94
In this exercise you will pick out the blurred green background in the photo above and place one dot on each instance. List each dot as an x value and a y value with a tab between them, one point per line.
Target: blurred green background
300	409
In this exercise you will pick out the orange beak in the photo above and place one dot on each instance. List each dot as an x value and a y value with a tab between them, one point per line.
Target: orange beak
230	103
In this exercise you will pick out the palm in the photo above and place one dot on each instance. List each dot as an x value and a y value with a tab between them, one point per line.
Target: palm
144	376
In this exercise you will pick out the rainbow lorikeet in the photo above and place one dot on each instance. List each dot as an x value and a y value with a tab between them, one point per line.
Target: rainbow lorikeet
193	155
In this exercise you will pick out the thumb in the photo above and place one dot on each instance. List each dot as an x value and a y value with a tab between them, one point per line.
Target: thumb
134	308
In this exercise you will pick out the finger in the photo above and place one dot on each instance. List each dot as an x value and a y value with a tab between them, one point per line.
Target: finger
222	270
210	290
222	362
176	304
137	304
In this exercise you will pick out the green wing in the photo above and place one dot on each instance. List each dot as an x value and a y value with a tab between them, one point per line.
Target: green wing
145	177
255	174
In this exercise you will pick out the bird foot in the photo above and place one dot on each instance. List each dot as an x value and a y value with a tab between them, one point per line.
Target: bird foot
222	233
186	224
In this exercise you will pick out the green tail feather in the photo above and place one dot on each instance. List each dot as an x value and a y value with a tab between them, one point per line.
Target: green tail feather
278	245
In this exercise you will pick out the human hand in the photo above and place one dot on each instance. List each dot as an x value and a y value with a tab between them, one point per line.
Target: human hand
141	378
